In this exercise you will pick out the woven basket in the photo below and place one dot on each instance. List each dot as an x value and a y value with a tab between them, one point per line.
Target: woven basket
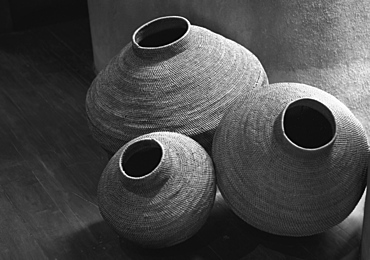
158	189
174	77
291	159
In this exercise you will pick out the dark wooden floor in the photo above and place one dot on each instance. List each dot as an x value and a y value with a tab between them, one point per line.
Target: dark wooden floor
50	167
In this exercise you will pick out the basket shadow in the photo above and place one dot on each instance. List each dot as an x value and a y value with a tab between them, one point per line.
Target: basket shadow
225	236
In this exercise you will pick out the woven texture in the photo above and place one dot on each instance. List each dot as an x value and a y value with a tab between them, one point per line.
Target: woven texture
182	87
167	206
277	187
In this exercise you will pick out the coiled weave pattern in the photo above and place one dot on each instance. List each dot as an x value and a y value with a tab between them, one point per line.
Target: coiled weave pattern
277	187
181	87
166	206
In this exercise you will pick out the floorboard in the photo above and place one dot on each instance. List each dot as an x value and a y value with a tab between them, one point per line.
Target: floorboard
50	168
14	235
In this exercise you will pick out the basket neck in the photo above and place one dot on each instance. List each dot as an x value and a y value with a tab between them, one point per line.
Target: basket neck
307	127
167	35
145	165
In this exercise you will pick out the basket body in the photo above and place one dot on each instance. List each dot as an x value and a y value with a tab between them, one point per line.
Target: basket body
162	205
321	43
182	86
291	160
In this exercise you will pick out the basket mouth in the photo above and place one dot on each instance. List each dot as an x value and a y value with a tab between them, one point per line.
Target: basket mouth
141	159
308	124
161	32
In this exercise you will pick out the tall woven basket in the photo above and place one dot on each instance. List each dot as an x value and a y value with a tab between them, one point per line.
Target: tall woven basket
158	189
173	76
291	159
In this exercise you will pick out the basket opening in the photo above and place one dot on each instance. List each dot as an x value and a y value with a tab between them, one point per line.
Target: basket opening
161	32
141	158
309	124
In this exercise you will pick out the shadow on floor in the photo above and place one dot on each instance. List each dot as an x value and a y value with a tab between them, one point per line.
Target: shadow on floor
225	236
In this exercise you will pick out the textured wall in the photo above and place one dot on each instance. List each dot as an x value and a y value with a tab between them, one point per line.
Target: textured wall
319	42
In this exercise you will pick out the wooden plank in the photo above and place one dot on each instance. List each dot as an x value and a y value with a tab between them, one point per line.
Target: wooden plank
18	133
59	225
61	193
14	234
65	168
59	127
40	215
64	193
43	85
60	141
76	36
36	64
94	238
76	66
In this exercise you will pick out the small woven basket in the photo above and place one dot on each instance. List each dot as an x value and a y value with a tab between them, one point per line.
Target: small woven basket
158	189
291	159
173	76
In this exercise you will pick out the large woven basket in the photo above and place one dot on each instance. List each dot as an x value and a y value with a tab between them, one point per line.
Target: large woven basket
173	76
291	159
158	189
